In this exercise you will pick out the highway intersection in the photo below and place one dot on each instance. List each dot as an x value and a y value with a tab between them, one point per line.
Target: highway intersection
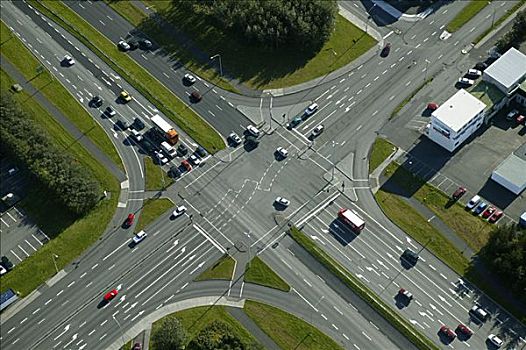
231	203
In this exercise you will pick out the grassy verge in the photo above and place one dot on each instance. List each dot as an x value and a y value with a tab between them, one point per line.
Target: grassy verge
379	152
363	291
500	20
195	319
259	273
151	210
256	66
71	235
155	177
15	51
127	346
469	11
128	10
288	331
223	269
141	79
409	98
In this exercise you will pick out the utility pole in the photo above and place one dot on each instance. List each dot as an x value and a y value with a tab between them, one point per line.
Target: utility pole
220	63
55	256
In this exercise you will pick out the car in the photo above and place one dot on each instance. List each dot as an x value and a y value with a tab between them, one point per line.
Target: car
6	263
473	202
386	50
137	136
464	330
282	201
481	66
195	160
68	60
405	294
123	45
97	101
139	237
180	210
466	81
137	346
458	193
189	78
409	256
186	165
432	106
195	96
181	150
251	141
110	112
3	271
12	171
129	220
495	217
234	138
474	73
200	152
512	114
480	208
479	313
125	96
317	130
111	294
311	109
520	119
488	212
448	333
134	45
160	157
138	124
294	122
145	44
174	171
282	152
253	130
122	124
493	339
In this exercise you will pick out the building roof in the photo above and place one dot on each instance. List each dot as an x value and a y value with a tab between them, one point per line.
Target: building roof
512	168
509	69
458	110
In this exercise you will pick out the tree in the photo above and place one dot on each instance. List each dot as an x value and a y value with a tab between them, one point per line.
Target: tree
170	335
515	36
217	336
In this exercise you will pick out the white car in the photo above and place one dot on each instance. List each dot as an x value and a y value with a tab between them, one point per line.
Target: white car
466	81
123	45
139	237
110	111
253	130
317	130
69	60
495	340
180	210
282	201
160	157
311	109
236	140
2	270
137	136
282	152
473	202
474	73
195	160
190	78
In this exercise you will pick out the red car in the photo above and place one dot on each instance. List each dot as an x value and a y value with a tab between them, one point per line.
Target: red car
432	106
129	220
459	193
465	331
186	165
448	333
111	294
488	212
520	119
496	216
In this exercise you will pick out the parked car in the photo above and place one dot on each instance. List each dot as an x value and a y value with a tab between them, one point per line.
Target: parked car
473	202
459	193
200	151
512	115
282	152
432	106
317	130
479	313
3	271
313	107
234	138
161	158
520	119
466	81
282	201
474	73
481	66
480	208
464	330
139	237
179	210
186	165
195	160
195	96
496	341
174	172
68	60
294	122
189	78
125	96
447	333
145	44
123	45
495	217
253	130
134	45
488	212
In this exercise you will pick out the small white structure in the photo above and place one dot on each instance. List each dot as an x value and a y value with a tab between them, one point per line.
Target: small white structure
507	72
511	173
456	120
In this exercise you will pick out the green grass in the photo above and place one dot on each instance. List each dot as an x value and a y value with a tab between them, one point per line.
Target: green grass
127	346
223	269
128	10
147	85
256	66
259	273
404	327
155	177
195	319
14	50
409	98
288	331
71	235
500	20
151	210
379	152
469	11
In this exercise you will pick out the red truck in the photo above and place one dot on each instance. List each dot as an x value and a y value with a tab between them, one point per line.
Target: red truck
351	219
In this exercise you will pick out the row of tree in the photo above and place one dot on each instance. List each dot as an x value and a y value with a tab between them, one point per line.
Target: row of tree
32	149
516	35
273	23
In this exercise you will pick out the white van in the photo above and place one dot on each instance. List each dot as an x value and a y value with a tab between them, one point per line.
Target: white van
169	150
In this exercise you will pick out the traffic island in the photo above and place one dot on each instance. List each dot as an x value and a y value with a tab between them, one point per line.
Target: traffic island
223	269
258	272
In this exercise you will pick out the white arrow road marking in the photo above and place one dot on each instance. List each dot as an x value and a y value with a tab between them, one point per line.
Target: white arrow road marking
65	330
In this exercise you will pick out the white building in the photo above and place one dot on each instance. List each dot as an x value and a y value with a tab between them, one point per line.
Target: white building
507	72
511	173
456	120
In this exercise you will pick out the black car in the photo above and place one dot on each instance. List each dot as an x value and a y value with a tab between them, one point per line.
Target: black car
386	50
481	66
410	256
138	124
6	263
251	141
134	45
97	101
200	151
122	124
182	150
174	172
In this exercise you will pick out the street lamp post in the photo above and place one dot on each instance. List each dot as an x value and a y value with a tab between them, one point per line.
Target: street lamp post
55	256
425	74
220	63
120	329
368	18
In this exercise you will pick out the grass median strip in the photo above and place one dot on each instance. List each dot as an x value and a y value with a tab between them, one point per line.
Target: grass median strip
468	12
147	85
221	270
70	235
499	21
260	273
379	152
409	98
13	50
151	210
154	176
418	339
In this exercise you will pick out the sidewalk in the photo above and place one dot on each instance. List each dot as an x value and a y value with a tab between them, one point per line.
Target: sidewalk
253	328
